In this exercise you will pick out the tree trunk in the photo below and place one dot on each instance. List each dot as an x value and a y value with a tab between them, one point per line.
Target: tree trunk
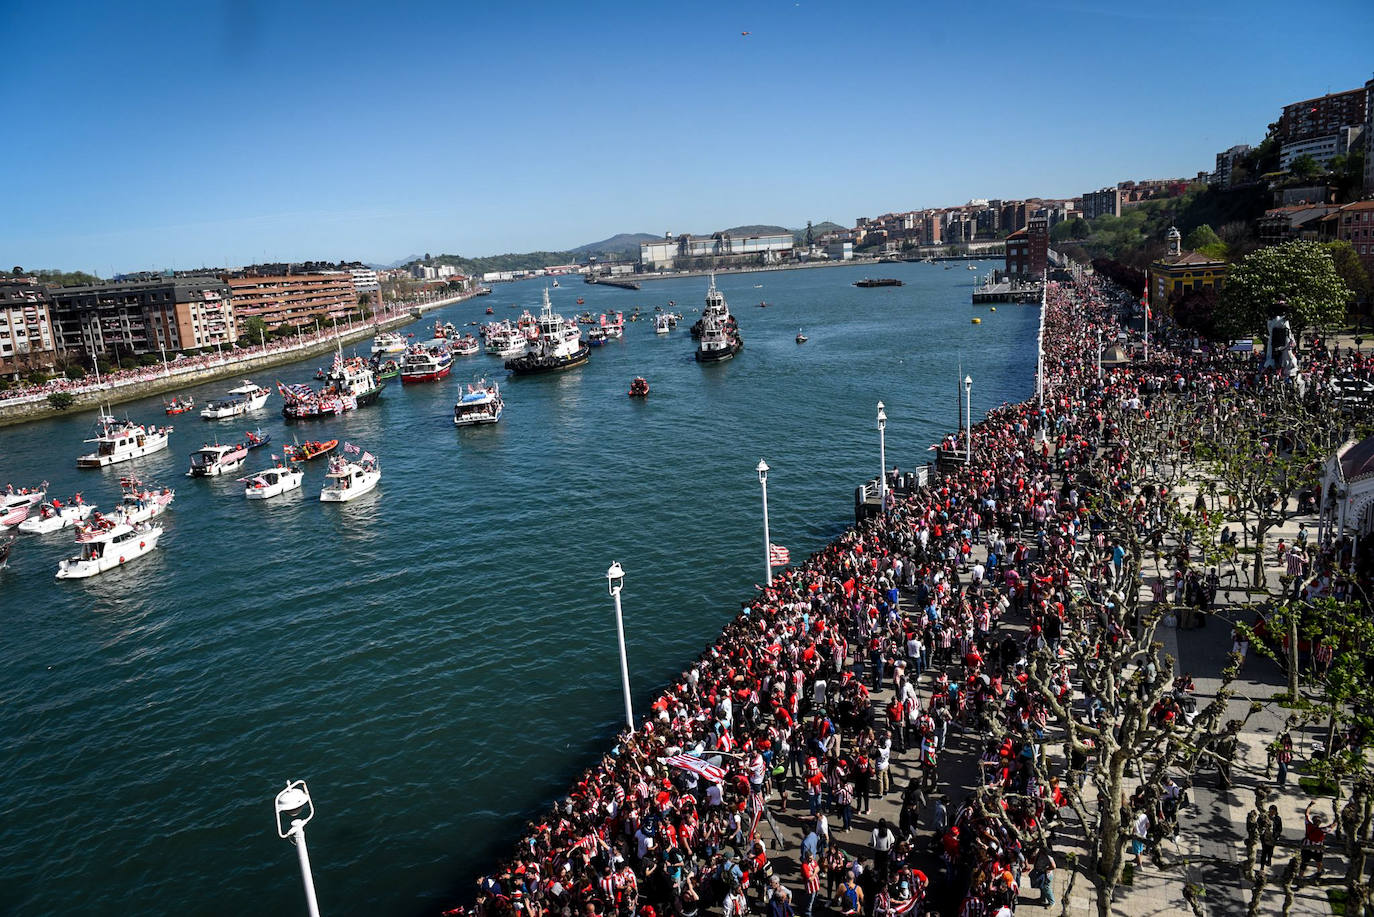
1110	859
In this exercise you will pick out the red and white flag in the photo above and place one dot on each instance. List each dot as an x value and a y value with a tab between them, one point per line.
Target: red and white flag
369	457
350	449
703	769
779	556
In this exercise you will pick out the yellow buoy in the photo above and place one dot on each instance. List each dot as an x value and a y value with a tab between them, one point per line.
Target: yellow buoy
993	309
977	321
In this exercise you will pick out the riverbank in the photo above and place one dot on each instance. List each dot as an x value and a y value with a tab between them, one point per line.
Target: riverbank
174	376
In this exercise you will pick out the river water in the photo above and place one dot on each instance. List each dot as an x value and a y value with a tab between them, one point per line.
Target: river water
438	659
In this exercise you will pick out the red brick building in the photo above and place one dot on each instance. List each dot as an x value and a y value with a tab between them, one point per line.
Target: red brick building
1324	115
1354	223
1018	253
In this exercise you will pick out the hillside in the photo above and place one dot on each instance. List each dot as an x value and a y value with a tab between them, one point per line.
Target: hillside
620	242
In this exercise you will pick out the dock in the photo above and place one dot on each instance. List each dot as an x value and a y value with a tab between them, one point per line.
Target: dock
605	282
1008	291
867	496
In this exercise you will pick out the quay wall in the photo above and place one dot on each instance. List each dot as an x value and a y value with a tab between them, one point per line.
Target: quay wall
37	407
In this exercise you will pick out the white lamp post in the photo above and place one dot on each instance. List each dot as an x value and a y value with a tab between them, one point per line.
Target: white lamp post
1099	354
762	469
615	579
968	419
294	811
882	457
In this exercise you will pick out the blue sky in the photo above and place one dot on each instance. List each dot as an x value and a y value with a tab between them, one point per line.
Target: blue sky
145	134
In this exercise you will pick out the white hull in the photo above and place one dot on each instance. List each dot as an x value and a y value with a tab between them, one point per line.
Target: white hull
276	482
236	410
215	470
153	442
469	420
131	513
115	555
66	517
15	509
366	482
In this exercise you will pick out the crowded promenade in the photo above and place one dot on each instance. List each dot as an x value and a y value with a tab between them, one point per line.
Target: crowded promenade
882	731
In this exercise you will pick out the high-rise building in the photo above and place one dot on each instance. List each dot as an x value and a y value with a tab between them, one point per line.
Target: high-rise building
1322	116
27	342
1223	177
293	300
146	315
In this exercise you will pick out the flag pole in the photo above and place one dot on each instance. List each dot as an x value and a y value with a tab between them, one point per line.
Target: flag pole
767	547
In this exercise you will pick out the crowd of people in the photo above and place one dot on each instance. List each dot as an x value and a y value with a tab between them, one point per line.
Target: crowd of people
877	650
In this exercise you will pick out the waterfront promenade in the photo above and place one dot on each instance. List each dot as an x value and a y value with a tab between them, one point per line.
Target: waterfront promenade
884	683
30	402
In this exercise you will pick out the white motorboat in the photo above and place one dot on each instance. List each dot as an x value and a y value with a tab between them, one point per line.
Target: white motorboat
15	507
505	340
51	518
212	460
121	440
661	324
141	502
481	403
347	480
273	482
388	342
239	401
614	326
106	544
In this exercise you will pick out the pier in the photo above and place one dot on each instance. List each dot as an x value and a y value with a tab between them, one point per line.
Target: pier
994	290
622	284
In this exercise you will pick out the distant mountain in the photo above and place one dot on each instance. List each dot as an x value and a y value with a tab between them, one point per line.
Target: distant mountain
401	262
754	230
620	242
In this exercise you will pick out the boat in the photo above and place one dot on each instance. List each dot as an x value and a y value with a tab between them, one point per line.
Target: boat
54	516
256	439
596	336
347	480
614	328
273	482
973	267
311	449
555	284
427	362
878	282
556	345
801	338
465	345
505	339
585	318
240	400
581	301
763	305
489	309
6	545
321	374
385	369
121	440
179	405
639	387
388	342
214	459
141	502
661	324
480	403
15	506
758	286
719	337
107	544
349	385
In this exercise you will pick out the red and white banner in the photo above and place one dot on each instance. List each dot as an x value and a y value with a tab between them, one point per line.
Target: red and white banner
703	769
779	556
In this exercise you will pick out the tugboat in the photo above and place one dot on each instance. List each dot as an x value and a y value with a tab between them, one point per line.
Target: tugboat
121	440
348	386
639	387
555	345
719	339
244	398
106	544
349	480
179	405
481	403
427	362
211	461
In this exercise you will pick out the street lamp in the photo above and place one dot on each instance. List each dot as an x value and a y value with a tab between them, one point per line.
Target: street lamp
615	579
294	806
882	457
1099	354
968	419
762	469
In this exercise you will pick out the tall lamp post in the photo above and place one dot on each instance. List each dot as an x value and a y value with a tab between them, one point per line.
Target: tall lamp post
294	811
762	469
1099	354
615	579
968	419
882	457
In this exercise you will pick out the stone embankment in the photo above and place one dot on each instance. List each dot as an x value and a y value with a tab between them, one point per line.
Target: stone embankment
175	377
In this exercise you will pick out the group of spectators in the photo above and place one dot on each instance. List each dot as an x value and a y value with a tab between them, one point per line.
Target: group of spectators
881	650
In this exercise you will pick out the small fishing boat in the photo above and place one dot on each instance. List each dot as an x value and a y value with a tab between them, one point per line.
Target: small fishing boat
585	318
321	374
54	516
388	342
16	506
596	336
106	544
581	301
256	439
661	324
311	449
179	405
141	502
763	305
481	403
214	459
614	327
272	482
639	387
350	480
489	310
801	338
465	346
239	401
385	369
